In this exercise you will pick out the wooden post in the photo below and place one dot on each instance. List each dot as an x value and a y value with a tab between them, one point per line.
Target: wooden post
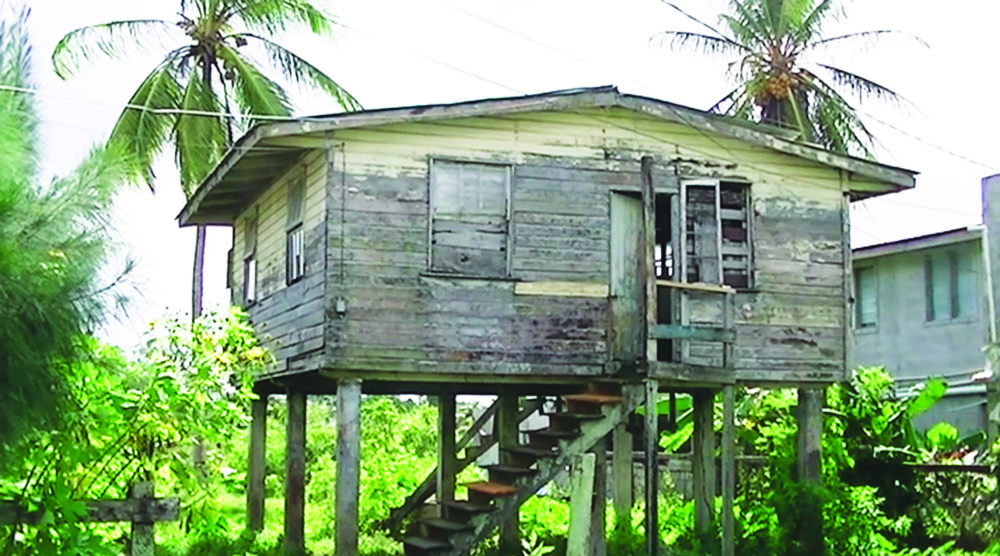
810	468
703	460
580	503
652	449
255	474
143	541
507	437
649	251
295	470
447	462
621	475
728	470
348	465
598	519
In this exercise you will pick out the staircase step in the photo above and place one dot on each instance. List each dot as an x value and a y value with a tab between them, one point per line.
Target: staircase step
419	546
590	403
463	509
598	399
508	473
484	492
571	421
490	488
437	528
526	456
549	438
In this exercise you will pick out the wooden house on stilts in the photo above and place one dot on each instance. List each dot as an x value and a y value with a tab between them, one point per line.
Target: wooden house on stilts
584	246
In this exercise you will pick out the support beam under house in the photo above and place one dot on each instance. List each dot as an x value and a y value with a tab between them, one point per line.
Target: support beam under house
703	460
507	435
295	470
257	463
652	467
447	467
348	465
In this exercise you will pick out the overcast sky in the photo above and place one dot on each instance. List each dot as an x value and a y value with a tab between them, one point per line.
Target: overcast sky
395	52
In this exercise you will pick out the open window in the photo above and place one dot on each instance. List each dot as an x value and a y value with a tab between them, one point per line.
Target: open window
717	233
470	218
250	259
295	258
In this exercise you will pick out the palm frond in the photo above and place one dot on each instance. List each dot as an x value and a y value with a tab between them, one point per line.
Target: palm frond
199	140
812	24
751	19
299	71
700	23
141	131
868	37
112	39
792	15
861	86
744	31
253	91
837	123
274	16
698	41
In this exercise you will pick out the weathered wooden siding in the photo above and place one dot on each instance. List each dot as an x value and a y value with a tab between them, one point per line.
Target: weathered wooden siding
399	318
289	318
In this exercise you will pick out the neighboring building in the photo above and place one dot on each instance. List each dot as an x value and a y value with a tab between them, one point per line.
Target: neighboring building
921	309
585	245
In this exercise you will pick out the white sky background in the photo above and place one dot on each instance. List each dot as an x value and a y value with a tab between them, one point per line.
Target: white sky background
399	52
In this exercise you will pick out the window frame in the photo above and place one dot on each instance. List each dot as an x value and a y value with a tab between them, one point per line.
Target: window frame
250	238
858	299
508	216
717	183
295	261
957	309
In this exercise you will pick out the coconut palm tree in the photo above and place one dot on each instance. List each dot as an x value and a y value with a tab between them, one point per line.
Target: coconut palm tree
776	48
210	71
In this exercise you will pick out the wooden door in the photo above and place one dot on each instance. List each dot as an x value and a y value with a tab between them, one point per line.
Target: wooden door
627	289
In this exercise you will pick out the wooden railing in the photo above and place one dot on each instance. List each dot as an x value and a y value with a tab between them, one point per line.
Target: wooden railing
685	332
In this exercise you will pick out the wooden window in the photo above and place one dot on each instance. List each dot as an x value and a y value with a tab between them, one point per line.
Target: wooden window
865	298
469	218
250	259
717	232
949	286
295	257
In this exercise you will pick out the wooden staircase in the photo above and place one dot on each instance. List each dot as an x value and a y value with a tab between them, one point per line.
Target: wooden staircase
462	524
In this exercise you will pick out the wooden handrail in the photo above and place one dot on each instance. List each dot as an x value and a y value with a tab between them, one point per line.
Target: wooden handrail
696	286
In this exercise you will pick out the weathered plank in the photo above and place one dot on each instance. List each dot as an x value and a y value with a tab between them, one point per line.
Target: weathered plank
257	464
578	541
295	470
678	332
348	466
703	460
101	511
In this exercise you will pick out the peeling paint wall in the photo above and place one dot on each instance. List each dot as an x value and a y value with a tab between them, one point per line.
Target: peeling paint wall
288	317
398	318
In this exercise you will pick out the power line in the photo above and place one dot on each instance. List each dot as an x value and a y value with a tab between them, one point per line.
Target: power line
991	168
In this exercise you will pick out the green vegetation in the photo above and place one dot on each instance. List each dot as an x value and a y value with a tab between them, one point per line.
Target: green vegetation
776	48
208	74
53	241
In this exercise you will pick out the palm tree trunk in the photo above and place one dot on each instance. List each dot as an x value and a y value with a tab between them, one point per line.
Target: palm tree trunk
198	278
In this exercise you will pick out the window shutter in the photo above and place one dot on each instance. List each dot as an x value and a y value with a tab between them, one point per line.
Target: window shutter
469	222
